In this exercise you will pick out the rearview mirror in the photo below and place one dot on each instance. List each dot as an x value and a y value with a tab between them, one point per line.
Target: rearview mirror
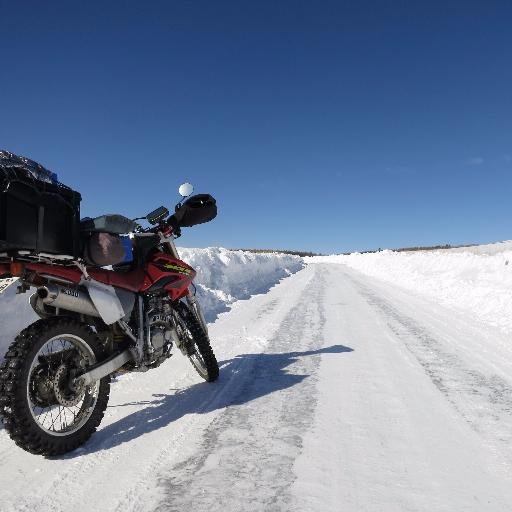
185	189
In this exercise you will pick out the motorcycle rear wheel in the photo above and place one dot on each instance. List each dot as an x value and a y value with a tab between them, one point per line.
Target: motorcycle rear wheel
42	410
196	344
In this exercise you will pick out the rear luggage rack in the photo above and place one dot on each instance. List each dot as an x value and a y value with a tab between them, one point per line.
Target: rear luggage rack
41	257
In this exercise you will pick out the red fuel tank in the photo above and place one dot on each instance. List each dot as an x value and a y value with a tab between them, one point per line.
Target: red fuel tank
166	272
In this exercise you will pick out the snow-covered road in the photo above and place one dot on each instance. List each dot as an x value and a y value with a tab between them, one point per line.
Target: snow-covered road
337	392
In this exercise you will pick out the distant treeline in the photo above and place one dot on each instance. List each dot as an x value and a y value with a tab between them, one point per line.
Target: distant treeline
400	249
282	251
419	248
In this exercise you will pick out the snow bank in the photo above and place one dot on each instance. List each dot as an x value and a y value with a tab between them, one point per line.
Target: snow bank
475	279
486	249
223	277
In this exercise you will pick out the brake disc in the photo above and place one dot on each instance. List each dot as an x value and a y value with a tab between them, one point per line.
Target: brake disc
42	392
67	393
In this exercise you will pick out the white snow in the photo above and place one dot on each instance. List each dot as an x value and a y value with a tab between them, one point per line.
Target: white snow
476	280
388	391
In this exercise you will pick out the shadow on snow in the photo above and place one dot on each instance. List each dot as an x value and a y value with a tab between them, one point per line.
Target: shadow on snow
242	379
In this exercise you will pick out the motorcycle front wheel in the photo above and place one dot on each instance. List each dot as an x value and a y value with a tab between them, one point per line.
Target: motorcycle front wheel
195	343
43	409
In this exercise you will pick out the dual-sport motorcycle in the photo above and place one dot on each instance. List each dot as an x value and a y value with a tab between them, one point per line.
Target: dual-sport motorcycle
96	323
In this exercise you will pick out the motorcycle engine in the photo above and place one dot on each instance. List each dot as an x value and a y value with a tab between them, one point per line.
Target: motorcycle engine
160	327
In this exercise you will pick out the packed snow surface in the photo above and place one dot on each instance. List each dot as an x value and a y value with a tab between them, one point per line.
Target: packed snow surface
476	280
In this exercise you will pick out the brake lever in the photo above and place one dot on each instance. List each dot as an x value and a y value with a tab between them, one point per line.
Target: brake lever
175	232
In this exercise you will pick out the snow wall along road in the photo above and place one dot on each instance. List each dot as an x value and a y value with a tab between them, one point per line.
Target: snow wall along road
476	280
223	277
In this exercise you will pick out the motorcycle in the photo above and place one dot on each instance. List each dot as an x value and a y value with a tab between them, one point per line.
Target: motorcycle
96	323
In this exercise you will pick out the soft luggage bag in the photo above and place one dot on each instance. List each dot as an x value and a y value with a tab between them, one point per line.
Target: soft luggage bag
37	213
102	249
102	243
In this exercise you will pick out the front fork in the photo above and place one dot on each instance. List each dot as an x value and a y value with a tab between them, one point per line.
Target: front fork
196	308
168	243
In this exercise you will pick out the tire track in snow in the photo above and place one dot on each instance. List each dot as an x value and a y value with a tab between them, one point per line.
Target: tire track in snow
484	401
134	499
245	461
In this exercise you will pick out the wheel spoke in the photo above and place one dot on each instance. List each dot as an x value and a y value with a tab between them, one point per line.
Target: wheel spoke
51	420
44	419
57	417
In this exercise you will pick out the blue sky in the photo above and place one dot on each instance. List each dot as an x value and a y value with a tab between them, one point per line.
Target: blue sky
319	125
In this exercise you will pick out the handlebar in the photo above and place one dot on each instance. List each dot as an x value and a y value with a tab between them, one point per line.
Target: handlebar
167	227
194	210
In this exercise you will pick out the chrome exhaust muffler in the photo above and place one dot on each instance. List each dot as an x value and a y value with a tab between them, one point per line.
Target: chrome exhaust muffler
70	299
